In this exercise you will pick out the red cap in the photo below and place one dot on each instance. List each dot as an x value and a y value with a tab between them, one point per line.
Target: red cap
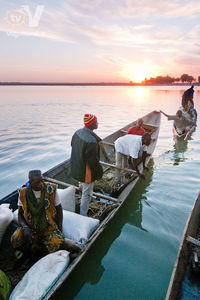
89	119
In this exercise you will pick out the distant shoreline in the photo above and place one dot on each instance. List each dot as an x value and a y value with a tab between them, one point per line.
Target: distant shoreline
91	84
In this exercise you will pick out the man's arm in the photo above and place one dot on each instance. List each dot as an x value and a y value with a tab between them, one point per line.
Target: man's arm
21	219
134	162
22	222
92	158
162	112
144	155
59	216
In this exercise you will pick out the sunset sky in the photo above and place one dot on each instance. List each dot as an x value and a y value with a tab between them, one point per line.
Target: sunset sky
98	40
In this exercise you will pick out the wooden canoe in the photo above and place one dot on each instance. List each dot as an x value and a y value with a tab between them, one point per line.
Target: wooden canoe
61	175
181	265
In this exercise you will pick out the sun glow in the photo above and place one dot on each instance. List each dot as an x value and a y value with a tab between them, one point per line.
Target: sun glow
138	72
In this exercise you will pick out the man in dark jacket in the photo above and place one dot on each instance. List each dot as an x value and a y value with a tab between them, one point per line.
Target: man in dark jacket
85	166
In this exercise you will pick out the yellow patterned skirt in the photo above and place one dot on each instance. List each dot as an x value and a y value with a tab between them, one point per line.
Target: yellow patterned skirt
52	239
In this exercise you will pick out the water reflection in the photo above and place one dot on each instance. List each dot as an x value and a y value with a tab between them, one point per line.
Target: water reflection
91	267
180	147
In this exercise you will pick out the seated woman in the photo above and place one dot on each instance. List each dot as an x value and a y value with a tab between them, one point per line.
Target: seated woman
137	129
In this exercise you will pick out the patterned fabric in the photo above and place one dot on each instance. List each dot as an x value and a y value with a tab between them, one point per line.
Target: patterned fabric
52	240
89	119
37	209
51	237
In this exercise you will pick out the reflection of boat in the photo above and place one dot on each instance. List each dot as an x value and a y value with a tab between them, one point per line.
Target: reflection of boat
182	266
184	135
105	207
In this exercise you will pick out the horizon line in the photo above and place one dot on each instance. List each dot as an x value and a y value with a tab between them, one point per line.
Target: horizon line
100	83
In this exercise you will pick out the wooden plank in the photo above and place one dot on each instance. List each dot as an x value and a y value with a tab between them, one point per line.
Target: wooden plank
123	131
107	143
193	241
117	167
78	189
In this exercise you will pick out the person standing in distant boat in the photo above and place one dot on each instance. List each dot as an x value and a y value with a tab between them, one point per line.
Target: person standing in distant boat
187	98
137	129
85	156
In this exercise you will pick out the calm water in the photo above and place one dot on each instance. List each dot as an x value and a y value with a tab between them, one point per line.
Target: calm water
135	256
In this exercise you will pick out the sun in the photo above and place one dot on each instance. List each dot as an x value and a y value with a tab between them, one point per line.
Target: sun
137	72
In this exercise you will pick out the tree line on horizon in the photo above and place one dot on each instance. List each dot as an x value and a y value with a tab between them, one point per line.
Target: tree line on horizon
184	78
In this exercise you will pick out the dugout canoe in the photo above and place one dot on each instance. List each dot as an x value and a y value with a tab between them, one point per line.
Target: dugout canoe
182	266
108	197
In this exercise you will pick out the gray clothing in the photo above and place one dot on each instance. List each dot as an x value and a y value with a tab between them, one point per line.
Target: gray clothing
180	123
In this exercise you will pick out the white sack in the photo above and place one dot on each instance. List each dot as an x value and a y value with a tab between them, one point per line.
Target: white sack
41	276
77	227
67	198
6	217
15	216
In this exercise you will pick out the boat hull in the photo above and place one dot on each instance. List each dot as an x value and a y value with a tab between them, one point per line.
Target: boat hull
184	252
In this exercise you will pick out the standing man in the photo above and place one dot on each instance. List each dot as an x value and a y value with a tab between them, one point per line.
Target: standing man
133	146
85	156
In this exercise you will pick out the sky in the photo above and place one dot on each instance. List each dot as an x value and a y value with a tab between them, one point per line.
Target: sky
98	40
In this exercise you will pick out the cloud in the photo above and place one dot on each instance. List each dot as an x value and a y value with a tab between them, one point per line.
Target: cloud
136	9
117	32
75	21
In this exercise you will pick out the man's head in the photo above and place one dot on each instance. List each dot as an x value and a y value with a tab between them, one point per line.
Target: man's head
36	180
146	139
90	121
179	113
139	123
186	107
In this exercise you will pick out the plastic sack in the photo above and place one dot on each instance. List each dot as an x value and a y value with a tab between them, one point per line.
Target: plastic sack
41	276
77	227
15	216
6	217
5	286
67	198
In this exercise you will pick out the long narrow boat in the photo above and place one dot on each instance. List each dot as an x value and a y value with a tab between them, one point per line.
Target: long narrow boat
109	198
179	286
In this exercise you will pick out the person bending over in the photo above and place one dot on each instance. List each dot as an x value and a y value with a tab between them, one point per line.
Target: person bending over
133	146
181	123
